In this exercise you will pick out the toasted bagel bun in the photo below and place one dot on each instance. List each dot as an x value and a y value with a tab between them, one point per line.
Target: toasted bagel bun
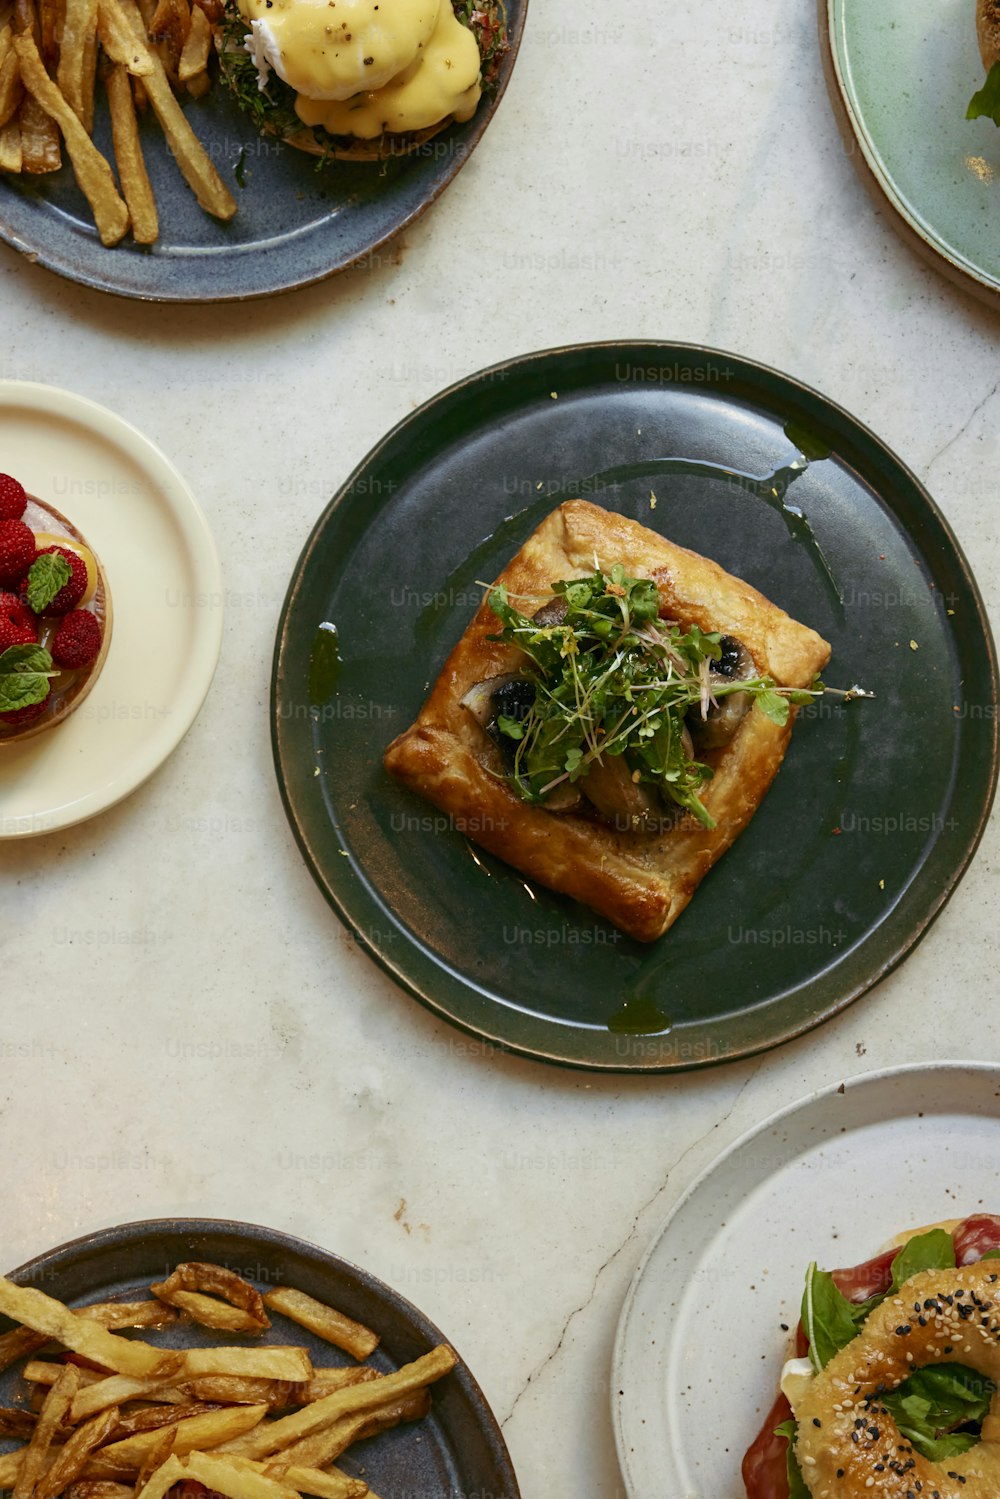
948	1224
849	1446
71	687
988	27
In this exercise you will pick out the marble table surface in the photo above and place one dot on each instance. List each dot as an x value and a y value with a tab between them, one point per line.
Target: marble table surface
185	1029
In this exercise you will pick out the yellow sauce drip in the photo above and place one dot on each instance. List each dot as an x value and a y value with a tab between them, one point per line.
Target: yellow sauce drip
442	81
329	49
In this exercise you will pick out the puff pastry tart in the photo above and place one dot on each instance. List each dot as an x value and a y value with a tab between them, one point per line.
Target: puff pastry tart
612	717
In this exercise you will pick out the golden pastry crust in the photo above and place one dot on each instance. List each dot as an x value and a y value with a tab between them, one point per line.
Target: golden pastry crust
639	881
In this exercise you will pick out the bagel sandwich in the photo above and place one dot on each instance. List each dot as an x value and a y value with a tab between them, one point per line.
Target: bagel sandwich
987	101
360	80
895	1387
55	627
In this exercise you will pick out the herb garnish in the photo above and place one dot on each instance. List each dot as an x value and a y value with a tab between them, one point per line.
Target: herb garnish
47	576
24	676
987	101
612	678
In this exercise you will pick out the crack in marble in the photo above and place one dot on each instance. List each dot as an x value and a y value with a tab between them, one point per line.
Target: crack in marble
577	1310
963	429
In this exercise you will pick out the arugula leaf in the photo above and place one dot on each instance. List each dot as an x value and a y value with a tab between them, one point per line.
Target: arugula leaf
774	706
934	1401
930	1251
796	1483
829	1320
47	576
986	103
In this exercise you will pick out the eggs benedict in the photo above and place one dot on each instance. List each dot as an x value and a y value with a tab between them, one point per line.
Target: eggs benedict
360	79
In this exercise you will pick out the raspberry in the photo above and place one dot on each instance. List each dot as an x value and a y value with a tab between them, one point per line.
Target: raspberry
72	592
17	624
17	550
21	716
12	498
78	640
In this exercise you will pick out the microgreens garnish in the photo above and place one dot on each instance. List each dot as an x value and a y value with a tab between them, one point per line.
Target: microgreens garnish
613	678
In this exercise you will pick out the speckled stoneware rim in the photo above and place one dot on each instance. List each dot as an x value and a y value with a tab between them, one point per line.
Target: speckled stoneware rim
129	271
144	1248
431	981
647	1437
879	183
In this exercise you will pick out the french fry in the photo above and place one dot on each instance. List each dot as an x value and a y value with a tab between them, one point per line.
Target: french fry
48	27
40	152
157	1455
26	1304
118	1314
97	1488
199	85
232	1389
43	1372
326	1485
10	1466
79	24
323	1447
163	1479
132	175
53	1412
89	72
120	41
198	172
291	1364
235	1481
111	217
121	1387
196	1276
158	1417
11	94
16	1423
195	51
124	1459
72	1457
362	1397
324	1321
217	1315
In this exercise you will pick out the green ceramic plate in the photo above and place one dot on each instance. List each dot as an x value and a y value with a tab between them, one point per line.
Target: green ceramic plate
901	74
878	806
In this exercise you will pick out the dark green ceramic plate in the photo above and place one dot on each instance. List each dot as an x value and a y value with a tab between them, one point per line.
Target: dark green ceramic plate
457	1450
879	805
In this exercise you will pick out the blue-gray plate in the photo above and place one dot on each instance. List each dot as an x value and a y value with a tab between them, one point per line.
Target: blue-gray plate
457	1450
879	804
296	223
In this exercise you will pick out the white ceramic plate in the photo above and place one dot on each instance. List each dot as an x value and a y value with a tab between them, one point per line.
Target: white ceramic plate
700	1346
166	588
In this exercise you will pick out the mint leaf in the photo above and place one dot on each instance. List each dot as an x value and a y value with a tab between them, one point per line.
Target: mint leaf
986	103
774	706
828	1318
24	676
47	576
931	1251
796	1483
30	657
20	689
